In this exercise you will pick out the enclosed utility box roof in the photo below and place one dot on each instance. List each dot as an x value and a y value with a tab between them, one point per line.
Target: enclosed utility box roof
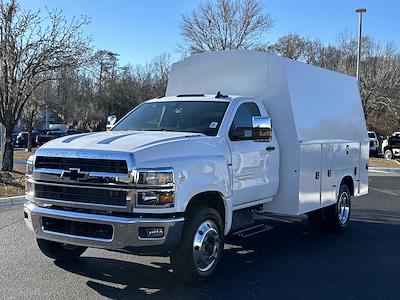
307	98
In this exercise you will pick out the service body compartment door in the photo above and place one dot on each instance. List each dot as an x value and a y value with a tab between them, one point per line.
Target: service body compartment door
364	155
346	161
309	177
328	176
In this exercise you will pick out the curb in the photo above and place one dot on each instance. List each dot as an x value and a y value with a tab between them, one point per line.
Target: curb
385	170
9	201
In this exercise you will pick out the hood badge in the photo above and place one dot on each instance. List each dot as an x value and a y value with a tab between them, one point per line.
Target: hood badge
75	174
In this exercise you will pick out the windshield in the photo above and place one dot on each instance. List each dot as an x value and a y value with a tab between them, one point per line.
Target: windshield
371	135
185	116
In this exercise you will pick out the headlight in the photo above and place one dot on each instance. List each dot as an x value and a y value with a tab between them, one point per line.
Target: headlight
155	188
156	178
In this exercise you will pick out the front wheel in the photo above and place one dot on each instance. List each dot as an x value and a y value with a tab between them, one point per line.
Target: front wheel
200	249
60	251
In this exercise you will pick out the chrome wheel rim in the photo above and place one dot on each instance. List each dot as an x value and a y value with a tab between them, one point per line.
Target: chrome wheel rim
344	208
206	246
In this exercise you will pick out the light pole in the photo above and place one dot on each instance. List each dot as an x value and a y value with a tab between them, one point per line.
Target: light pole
360	11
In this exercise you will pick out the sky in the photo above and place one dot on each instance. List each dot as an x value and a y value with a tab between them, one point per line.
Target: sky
139	30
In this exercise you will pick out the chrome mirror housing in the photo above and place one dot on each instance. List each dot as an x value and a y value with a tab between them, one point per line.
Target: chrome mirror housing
262	122
260	131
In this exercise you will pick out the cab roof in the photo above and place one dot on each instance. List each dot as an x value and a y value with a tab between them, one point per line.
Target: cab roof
197	97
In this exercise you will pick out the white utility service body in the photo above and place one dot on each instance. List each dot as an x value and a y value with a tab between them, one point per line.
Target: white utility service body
317	119
318	143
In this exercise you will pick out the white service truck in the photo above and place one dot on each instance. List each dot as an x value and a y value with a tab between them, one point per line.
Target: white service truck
177	174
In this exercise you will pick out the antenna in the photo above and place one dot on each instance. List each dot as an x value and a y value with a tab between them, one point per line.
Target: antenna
219	95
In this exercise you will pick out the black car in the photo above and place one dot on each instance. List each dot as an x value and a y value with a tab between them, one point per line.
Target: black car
48	136
21	141
73	131
391	147
14	137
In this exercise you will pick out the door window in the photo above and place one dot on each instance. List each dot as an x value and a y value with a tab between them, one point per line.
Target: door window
244	115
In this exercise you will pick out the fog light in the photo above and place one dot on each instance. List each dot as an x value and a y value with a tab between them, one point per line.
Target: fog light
151	232
166	198
156	198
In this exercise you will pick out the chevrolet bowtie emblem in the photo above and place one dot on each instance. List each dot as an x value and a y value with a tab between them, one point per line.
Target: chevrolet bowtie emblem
75	174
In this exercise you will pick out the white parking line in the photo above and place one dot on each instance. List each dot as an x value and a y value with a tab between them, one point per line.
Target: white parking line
385	192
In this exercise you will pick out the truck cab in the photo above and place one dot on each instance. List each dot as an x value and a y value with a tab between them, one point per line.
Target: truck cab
373	143
391	146
178	174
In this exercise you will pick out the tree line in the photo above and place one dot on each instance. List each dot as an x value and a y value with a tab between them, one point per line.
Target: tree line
49	62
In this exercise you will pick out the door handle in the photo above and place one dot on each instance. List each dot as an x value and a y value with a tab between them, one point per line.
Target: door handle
270	148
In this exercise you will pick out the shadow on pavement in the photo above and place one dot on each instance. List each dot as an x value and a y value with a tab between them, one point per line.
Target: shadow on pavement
289	261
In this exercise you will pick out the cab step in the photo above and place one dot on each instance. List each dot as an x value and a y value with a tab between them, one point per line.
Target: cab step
253	230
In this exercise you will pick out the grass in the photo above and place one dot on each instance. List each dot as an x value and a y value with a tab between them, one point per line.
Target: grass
23	155
11	190
17	189
383	163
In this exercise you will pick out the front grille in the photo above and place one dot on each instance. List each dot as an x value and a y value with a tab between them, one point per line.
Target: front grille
83	229
83	164
371	143
81	194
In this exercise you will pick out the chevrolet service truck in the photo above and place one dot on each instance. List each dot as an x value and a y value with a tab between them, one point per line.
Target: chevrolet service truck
238	133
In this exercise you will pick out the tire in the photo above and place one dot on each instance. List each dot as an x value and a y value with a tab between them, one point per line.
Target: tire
337	216
388	154
60	251
202	234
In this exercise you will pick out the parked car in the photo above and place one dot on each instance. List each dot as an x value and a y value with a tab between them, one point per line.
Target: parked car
48	136
373	143
178	174
391	146
14	137
73	131
21	140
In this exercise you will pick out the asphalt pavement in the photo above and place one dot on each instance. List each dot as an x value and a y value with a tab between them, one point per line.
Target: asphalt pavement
289	261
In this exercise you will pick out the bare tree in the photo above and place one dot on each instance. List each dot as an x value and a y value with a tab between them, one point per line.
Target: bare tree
380	72
32	48
291	46
28	119
224	25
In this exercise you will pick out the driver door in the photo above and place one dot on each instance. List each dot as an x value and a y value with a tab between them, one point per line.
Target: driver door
254	163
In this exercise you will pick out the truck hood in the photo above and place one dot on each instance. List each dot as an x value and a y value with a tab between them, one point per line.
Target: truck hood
117	141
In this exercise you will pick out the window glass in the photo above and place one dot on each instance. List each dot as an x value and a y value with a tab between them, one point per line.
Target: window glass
184	116
244	114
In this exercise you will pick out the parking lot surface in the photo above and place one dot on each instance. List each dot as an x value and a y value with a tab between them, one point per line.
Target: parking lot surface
288	261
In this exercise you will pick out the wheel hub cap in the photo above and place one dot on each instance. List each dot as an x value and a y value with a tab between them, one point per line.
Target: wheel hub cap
206	246
344	207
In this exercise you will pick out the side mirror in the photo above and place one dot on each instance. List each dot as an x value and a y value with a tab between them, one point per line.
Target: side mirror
261	131
111	120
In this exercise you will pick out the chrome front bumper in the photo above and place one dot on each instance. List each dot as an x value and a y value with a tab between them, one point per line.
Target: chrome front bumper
125	234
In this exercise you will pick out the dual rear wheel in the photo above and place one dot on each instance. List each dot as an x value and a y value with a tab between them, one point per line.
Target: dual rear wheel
336	216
